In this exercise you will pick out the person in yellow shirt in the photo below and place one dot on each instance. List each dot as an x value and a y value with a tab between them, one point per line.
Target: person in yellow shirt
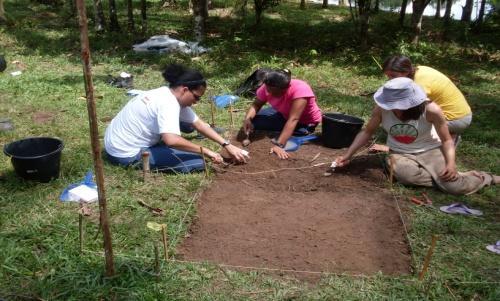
439	89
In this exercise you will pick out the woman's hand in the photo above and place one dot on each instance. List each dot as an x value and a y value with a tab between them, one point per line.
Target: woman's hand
449	174
247	126
342	161
237	153
281	153
215	157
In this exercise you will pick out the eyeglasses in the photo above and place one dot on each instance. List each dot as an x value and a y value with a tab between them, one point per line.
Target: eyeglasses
197	97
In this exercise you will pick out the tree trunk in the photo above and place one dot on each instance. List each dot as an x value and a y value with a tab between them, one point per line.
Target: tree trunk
416	19
302	4
325	4
342	2
130	16
376	7
364	20
438	9
113	17
100	20
259	8
144	17
467	11
481	12
447	12
2	12
402	13
200	14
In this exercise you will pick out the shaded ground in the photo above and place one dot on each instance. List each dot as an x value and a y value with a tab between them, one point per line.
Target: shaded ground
299	219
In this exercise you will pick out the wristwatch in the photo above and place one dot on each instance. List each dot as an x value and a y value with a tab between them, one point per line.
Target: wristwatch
225	143
275	142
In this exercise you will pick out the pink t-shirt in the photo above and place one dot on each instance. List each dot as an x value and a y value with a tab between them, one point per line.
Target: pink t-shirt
298	89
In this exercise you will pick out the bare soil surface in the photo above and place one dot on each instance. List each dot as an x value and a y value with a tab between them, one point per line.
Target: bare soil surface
286	214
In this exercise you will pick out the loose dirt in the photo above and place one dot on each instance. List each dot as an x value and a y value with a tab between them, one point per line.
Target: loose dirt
285	214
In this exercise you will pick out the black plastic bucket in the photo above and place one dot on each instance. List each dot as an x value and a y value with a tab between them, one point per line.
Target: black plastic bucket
339	130
36	158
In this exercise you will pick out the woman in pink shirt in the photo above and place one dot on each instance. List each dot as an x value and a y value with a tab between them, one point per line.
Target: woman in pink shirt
293	109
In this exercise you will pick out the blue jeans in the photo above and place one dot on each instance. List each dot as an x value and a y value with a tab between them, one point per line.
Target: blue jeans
268	119
163	158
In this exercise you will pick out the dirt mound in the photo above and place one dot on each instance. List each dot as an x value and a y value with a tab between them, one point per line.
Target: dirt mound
285	214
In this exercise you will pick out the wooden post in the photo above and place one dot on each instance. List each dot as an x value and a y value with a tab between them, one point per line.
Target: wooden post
392	163
145	166
212	111
80	230
157	258
165	244
231	114
428	257
204	161
94	138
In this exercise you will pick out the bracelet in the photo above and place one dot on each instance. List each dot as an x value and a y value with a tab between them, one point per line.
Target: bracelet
275	142
225	143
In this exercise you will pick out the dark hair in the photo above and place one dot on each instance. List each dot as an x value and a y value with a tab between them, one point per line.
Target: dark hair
278	78
399	63
178	75
414	113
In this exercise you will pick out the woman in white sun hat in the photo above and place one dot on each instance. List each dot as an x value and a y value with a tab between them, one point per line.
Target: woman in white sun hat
422	152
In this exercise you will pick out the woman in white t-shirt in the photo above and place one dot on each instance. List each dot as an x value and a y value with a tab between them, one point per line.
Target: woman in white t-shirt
150	122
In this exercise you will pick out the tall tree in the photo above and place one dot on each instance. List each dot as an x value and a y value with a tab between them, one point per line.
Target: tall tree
2	12
260	6
402	12
481	12
376	7
364	9
416	18
113	17
438	9
342	2
467	11
200	14
303	4
130	16
447	12
144	17
100	21
325	4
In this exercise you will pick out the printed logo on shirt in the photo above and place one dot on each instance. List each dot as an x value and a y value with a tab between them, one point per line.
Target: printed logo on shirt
145	100
404	133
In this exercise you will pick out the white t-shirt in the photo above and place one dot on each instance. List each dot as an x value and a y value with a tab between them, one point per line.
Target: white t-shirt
142	121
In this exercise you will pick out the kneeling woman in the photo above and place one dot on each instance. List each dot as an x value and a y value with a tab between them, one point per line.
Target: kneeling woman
151	122
293	109
421	148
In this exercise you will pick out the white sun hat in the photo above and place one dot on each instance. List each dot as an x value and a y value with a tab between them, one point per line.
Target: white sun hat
400	93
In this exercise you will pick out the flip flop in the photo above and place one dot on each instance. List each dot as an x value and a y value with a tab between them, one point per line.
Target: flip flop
494	248
459	208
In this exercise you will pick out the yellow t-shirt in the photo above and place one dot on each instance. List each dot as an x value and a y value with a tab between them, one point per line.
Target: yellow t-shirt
442	91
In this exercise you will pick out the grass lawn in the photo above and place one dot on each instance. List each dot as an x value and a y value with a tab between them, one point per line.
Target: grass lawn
39	242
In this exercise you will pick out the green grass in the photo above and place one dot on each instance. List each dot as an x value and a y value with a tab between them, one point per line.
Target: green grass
40	256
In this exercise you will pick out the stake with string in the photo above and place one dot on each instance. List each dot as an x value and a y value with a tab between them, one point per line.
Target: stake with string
428	257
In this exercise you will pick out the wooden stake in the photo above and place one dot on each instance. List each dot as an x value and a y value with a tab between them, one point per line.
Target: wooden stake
94	138
80	231
212	111
157	258
428	257
145	166
165	245
204	161
392	163
231	114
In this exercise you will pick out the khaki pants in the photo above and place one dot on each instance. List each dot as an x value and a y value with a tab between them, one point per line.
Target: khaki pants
423	170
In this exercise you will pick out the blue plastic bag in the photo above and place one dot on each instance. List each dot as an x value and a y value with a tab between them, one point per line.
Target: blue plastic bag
87	181
221	101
